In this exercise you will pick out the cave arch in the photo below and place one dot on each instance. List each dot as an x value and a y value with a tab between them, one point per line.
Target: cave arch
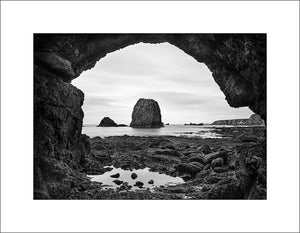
237	63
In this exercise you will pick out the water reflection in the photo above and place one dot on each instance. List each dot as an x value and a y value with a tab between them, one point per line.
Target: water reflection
143	175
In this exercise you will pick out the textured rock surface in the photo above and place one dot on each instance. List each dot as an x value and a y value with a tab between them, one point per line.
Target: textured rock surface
237	63
107	122
253	120
146	114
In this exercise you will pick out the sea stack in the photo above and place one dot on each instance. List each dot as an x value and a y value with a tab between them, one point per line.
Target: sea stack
146	114
107	122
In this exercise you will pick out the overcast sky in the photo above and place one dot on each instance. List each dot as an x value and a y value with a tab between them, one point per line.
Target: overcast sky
184	89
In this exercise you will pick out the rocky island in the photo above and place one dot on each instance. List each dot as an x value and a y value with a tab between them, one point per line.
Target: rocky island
107	122
146	114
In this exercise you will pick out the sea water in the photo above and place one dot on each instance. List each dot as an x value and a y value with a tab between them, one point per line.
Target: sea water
168	130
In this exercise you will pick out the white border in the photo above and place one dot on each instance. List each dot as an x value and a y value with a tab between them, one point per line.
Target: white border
20	19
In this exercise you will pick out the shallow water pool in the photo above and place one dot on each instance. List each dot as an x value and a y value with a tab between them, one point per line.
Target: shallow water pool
143	175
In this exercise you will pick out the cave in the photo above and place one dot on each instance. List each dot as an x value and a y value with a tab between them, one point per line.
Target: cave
237	63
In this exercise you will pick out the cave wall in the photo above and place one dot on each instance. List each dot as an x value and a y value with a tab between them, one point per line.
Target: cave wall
237	63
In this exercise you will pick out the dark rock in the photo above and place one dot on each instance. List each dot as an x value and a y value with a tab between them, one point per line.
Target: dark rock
151	182
247	138
220	169
170	147
146	114
188	168
217	162
168	152
139	184
197	158
205	149
117	175
107	122
200	165
133	176
227	191
207	167
118	182
210	157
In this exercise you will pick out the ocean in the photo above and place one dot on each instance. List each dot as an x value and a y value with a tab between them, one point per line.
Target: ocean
205	131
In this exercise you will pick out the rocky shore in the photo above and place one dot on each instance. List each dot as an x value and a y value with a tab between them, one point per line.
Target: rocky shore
232	167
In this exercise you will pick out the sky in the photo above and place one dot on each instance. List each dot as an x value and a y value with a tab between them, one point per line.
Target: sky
184	88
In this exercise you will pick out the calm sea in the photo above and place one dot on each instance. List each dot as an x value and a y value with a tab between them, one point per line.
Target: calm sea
169	130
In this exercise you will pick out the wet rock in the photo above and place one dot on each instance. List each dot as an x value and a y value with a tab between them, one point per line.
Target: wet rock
151	182
107	122
139	184
210	157
217	162
117	175
133	175
207	167
170	147
197	158
247	138
205	149
118	182
188	168
220	169
168	152
227	191
200	165
146	114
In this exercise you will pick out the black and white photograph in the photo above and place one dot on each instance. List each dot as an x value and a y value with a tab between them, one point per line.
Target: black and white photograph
150	116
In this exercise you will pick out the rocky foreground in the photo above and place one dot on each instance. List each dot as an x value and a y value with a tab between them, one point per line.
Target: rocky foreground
233	167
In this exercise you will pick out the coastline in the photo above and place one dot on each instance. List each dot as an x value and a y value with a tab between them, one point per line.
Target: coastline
242	174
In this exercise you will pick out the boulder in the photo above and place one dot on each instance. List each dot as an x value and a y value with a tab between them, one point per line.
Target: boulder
197	158
218	162
117	175
107	122
118	182
133	176
168	152
210	157
146	114
139	184
188	168
151	182
205	149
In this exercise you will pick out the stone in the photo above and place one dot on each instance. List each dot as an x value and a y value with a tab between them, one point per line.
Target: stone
117	175
139	184
197	158
168	152
210	157
146	114
118	182
205	149
220	169
218	162
151	181
133	176
107	122
188	168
